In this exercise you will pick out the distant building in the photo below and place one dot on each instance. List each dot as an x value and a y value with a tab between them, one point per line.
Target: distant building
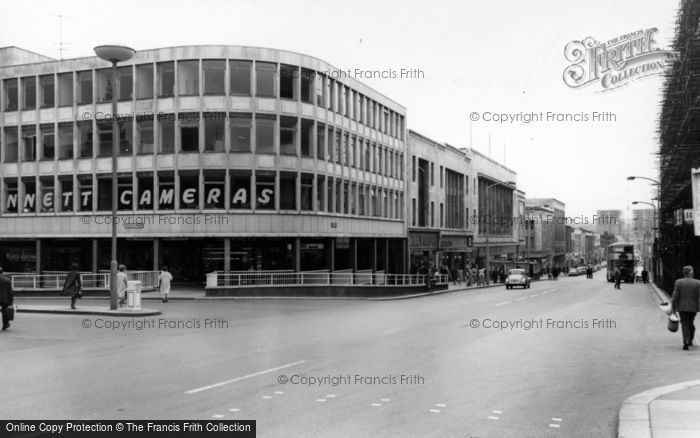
558	222
610	222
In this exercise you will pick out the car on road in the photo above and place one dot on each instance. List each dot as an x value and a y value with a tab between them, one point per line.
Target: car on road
517	277
573	272
581	270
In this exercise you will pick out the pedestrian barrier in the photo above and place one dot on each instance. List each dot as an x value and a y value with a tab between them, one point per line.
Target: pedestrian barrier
54	280
220	279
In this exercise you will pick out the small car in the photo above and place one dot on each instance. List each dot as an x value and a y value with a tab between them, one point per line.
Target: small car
573	272
517	277
581	270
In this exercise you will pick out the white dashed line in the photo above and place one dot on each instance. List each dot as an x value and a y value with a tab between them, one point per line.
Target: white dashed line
217	416
247	376
279	392
435	410
496	412
503	303
384	400
320	400
536	295
520	299
376	404
234	410
267	397
491	417
556	419
554	425
330	396
440	405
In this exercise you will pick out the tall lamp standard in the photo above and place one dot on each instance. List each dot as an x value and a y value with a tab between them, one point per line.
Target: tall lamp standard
115	55
488	254
657	220
656	279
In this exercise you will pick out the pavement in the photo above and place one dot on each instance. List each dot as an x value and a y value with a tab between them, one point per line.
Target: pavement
670	411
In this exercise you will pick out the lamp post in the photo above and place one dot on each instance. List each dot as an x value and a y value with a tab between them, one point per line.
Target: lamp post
115	55
657	220
488	254
655	257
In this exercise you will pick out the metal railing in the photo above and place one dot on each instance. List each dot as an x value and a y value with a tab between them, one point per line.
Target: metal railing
317	278
54	281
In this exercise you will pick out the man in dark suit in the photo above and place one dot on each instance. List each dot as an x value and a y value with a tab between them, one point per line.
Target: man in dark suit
685	301
6	297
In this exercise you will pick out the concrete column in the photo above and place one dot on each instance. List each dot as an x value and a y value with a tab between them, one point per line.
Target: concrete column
331	254
95	251
227	255
386	255
353	253
156	254
297	254
373	255
38	256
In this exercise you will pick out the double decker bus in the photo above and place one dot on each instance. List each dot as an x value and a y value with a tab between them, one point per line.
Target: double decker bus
620	255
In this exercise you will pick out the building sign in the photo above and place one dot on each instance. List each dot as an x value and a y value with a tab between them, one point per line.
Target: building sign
688	215
456	243
418	241
342	242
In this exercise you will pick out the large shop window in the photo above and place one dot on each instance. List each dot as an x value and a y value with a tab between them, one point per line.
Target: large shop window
288	135
264	134
166	122
214	132
188	78
288	191
29	143
241	127
189	132
65	141
46	84
11	94
144	80
265	75
240	191
65	89
47	142
288	77
166	191
29	92
240	72
85	190
126	82
214	189
166	79
146	193
11	144
214	71
85	138
189	190
84	79
264	191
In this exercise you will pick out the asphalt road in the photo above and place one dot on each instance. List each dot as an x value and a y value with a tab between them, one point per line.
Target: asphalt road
569	352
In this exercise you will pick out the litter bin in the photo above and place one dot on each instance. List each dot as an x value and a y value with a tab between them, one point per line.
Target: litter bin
133	294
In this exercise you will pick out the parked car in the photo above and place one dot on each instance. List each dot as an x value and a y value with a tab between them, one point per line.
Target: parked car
517	277
581	270
573	272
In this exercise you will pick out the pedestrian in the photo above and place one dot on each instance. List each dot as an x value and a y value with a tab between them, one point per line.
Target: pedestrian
73	286
122	282
482	277
164	280
685	301
617	276
7	298
645	276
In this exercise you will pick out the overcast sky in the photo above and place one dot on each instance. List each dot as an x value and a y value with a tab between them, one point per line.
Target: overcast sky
475	56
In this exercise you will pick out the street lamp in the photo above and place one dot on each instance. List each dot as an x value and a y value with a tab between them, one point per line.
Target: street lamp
115	55
488	255
657	269
656	231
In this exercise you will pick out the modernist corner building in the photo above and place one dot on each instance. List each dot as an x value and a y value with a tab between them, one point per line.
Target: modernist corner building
230	159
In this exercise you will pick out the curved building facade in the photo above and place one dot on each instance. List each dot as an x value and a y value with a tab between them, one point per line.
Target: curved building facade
230	158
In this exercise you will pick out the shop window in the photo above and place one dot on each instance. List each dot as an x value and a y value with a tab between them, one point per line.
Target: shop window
189	190
146	194
11	196
288	191
214	190
29	203
85	190
125	193
66	188
239	72
166	191
104	193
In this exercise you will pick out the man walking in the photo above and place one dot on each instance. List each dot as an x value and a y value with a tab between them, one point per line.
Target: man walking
164	280
685	301
122	282
6	298
72	285
617	276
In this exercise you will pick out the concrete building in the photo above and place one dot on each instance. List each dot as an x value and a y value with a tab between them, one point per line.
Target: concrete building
609	224
230	158
556	221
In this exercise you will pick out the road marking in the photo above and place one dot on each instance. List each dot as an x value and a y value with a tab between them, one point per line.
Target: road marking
440	405
320	399
234	410
330	396
496	412
491	417
536	295
505	302
267	397
384	399
376	404
545	293
217	416
248	376
279	392
554	425
556	419
435	410
520	299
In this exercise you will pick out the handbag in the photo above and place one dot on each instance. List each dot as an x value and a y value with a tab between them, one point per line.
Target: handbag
673	323
10	313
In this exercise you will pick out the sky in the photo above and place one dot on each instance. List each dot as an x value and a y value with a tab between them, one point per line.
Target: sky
504	57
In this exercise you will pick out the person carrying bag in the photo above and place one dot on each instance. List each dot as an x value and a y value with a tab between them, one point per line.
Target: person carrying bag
72	285
685	301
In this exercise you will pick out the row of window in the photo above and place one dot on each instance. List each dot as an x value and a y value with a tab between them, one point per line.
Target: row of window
235	132
244	78
165	191
457	221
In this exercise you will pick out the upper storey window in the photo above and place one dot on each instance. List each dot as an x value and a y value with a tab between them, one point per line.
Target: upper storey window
10	94
29	92
307	81
166	79
188	78
214	76
288	79
84	87
47	91
240	77
265	73
65	89
144	79
105	87
126	82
